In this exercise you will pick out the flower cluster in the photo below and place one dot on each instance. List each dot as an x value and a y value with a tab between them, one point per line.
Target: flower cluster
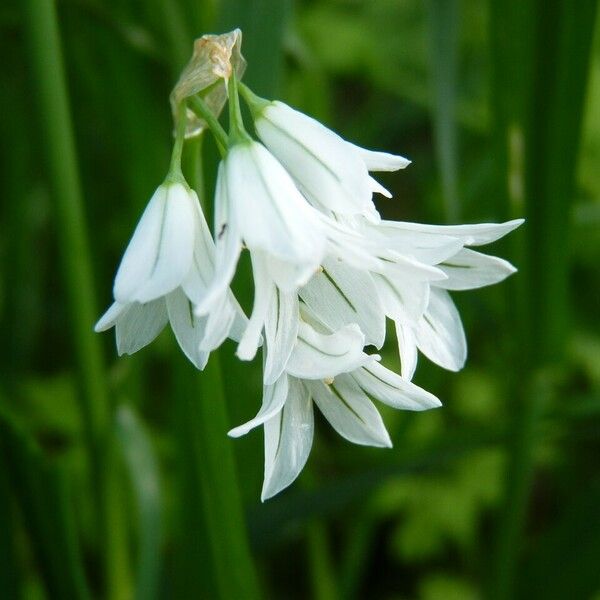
327	269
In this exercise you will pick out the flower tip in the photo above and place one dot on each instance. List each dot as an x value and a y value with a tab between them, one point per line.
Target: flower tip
236	432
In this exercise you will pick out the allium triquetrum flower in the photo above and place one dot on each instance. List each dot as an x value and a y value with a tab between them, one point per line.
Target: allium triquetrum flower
331	370
331	172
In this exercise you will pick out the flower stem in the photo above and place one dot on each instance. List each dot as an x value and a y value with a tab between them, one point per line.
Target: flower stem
175	173
58	146
255	103
237	131
201	109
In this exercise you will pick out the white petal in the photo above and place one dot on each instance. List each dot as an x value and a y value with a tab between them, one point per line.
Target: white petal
274	397
325	167
318	356
440	334
240	321
388	387
468	270
159	255
377	188
271	213
288	440
350	412
351	246
187	327
226	319
407	347
398	265
380	161
227	248
342	295
470	235
263	294
110	317
289	276
402	298
428	248
202	269
139	324
281	328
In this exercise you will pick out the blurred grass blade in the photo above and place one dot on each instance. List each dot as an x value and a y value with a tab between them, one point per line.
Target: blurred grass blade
323	578
356	552
179	36
444	34
263	24
58	149
541	71
43	493
235	571
142	467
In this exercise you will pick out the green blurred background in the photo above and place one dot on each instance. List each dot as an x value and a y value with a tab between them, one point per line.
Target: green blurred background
117	479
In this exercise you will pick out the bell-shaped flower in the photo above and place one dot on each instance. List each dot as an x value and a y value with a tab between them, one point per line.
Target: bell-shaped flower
416	265
438	332
332	371
332	173
159	255
258	205
165	270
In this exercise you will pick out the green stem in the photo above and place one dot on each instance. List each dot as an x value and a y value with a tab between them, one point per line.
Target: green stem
50	89
255	103
237	131
175	173
201	109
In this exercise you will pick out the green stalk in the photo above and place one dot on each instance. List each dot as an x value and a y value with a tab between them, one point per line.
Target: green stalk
200	108
175	174
50	89
237	131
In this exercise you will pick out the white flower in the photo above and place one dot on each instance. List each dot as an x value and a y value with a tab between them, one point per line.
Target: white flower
159	255
257	204
438	332
419	264
331	370
332	173
166	269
